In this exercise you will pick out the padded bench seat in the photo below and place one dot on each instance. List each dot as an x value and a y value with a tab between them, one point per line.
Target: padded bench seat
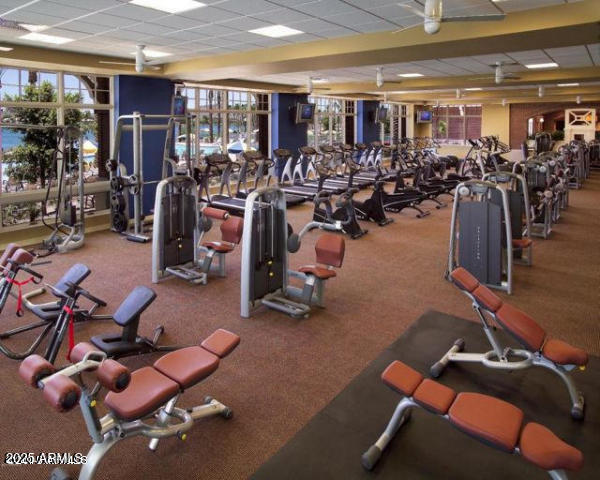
148	390
221	247
487	419
319	272
152	387
516	322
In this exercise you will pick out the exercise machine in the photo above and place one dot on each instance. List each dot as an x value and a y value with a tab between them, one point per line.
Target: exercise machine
218	165
538	349
177	248
516	189
479	229
370	209
281	175
139	403
64	185
56	318
13	261
489	420
344	212
267	240
262	168
124	185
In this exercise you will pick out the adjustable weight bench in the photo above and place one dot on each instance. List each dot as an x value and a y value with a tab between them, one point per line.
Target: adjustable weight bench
139	403
127	316
492	421
538	349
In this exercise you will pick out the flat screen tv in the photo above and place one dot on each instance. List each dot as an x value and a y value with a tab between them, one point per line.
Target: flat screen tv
305	112
179	105
424	116
382	113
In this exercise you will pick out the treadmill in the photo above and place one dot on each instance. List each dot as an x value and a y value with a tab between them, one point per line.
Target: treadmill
219	164
307	163
262	167
283	173
341	178
362	151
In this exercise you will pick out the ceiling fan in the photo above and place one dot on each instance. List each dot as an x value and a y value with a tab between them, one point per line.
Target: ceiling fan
310	85
433	16
499	74
140	61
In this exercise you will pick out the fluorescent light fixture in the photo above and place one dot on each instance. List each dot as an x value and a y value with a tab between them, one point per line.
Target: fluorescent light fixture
6	49
410	75
40	37
319	80
33	28
574	84
473	89
169	6
542	65
276	31
154	54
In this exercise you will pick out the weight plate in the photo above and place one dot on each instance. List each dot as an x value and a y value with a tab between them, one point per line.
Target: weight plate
119	222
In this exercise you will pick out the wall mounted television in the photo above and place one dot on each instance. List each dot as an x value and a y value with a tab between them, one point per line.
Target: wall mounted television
305	113
424	116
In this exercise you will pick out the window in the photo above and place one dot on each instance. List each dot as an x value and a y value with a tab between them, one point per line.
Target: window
334	121
32	104
394	128
455	124
229	120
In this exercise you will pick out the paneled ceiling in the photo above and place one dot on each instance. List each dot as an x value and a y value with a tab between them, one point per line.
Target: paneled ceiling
342	41
114	27
566	57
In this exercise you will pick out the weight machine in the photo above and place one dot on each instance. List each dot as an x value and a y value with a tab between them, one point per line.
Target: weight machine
124	185
68	229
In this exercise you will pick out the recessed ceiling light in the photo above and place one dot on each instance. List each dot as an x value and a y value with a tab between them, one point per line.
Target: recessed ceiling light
33	28
276	31
473	89
40	37
154	53
6	49
410	75
542	65
169	6
575	84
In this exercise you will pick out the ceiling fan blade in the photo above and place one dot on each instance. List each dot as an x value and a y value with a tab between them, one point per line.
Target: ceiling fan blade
407	28
413	10
475	18
116	63
129	64
503	64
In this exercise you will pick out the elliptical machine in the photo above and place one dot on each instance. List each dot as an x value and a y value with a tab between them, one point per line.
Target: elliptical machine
344	211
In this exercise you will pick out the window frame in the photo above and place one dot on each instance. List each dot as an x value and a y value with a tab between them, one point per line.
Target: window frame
447	116
347	108
251	108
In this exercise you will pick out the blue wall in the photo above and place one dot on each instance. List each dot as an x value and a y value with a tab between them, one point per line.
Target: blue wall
285	132
370	130
149	96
